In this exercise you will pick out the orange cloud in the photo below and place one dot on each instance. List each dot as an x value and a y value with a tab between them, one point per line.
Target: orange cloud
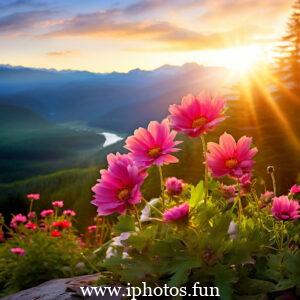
62	53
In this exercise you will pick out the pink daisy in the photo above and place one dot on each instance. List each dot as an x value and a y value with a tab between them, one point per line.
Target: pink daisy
154	145
285	209
58	203
229	157
17	220
69	212
229	192
33	196
31	215
18	251
266	196
197	115
174	186
47	212
295	189
119	186
177	213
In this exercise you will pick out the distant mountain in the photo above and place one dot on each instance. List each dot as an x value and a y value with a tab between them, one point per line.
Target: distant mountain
104	99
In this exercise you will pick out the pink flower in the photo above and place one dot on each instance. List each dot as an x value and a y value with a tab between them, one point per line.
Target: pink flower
228	192
119	186
92	228
177	213
33	196
197	115
58	203
285	209
174	186
245	183
267	196
31	215
153	146
69	212
18	251
30	225
17	220
295	189
47	212
229	157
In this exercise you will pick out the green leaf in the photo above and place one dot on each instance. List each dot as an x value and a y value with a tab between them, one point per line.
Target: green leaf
224	278
125	224
181	271
197	194
251	286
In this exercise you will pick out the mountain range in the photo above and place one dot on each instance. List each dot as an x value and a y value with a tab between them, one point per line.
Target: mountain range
105	100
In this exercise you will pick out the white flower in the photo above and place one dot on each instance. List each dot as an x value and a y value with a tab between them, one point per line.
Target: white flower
232	230
146	212
116	242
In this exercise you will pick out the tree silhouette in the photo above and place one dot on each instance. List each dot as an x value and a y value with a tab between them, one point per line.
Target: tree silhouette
288	59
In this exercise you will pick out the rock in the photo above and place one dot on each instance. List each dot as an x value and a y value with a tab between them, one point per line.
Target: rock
60	289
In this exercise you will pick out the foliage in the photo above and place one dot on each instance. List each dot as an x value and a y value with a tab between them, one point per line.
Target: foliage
47	248
248	263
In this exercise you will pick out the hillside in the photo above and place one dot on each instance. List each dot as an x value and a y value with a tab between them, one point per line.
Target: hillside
31	145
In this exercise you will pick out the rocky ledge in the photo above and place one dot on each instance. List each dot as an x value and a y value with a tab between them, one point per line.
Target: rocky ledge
59	289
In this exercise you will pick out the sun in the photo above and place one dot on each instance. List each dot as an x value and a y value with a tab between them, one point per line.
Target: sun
241	60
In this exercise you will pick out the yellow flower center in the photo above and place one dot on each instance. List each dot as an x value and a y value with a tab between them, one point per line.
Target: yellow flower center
124	194
154	152
231	163
199	122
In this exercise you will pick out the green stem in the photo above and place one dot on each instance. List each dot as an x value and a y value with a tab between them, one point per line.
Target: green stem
31	205
281	235
206	169
240	207
90	263
162	186
274	183
257	206
137	217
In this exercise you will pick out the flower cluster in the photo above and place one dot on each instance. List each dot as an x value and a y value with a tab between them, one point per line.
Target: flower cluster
120	185
119	188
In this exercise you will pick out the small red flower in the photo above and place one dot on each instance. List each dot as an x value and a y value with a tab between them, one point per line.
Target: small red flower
92	228
62	224
55	233
31	225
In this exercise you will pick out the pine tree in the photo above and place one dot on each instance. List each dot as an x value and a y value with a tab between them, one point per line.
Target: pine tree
288	60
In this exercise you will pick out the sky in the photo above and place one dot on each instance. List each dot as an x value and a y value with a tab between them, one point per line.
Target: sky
116	35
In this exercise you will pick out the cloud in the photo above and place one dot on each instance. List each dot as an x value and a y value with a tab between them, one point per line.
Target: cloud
17	4
112	24
193	24
146	6
264	12
62	53
22	21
